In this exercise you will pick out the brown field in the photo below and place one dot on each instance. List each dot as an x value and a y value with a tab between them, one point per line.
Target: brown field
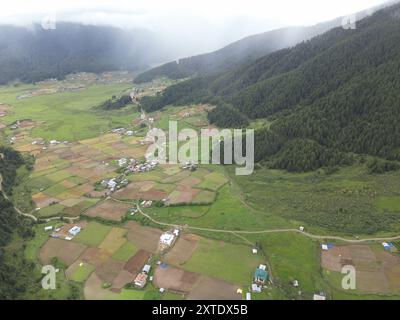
72	202
76	209
136	263
140	190
114	240
92	289
109	270
146	238
214	289
95	256
42	200
109	210
183	194
175	279
377	271
182	250
66	251
197	286
29	148
123	278
190	181
151	195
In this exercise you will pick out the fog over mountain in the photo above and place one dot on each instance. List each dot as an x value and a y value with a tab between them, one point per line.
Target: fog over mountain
51	38
187	27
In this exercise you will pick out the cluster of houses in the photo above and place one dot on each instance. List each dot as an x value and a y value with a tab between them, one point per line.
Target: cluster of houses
123	131
136	167
66	232
15	125
189	166
114	183
55	142
146	204
38	142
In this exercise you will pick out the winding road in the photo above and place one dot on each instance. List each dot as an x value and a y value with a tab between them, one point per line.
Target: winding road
244	232
233	232
28	215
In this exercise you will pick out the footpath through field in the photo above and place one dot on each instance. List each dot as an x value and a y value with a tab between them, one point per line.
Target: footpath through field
243	232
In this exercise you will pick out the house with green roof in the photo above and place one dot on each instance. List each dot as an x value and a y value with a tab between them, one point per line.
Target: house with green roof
261	276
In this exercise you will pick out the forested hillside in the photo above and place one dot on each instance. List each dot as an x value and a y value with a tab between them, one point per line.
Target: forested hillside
33	54
335	94
246	50
16	273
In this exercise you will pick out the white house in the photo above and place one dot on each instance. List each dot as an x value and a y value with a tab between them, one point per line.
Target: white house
122	162
146	268
111	183
256	288
167	239
49	228
74	230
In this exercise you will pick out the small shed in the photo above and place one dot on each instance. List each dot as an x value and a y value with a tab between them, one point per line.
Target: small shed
256	288
319	297
146	268
74	230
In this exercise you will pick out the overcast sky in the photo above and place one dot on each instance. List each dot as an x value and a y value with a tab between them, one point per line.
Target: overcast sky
209	23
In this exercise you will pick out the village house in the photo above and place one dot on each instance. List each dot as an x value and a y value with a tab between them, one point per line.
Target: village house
261	275
146	269
167	239
140	280
122	162
320	296
256	288
74	230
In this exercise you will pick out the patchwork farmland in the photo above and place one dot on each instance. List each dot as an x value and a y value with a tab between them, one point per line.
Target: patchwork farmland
94	175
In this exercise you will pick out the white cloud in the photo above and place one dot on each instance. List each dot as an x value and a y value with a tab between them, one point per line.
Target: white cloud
210	23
